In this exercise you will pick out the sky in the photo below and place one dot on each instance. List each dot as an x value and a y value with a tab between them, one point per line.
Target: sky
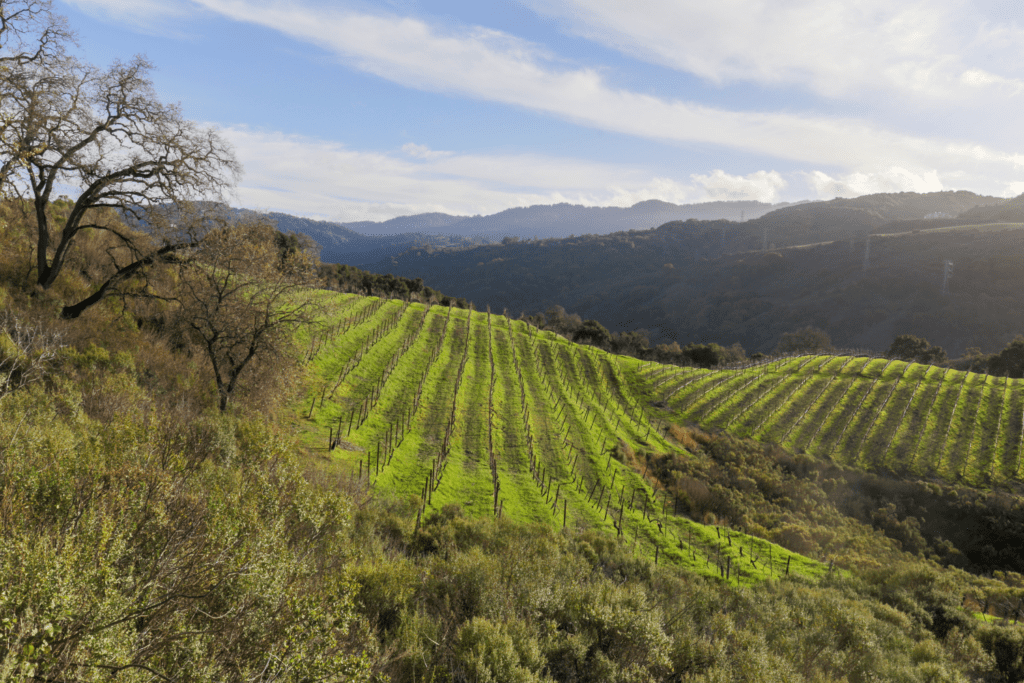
351	111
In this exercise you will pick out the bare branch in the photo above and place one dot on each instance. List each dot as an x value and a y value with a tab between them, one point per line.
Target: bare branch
107	133
26	352
242	300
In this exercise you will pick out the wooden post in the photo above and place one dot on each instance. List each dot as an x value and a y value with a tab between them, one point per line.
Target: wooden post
565	507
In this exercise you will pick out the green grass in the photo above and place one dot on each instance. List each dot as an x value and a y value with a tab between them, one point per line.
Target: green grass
455	406
410	401
872	413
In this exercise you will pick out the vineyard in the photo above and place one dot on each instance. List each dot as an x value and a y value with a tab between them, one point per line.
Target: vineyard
872	413
466	407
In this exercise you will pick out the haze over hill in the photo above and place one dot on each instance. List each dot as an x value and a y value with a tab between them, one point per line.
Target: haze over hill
367	241
339	244
781	224
562	220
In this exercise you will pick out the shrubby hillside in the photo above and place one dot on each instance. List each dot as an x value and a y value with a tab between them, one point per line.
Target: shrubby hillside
146	532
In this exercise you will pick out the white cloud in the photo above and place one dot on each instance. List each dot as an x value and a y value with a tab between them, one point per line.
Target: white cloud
895	179
352	185
423	152
763	186
979	78
489	65
155	17
831	47
665	189
1013	189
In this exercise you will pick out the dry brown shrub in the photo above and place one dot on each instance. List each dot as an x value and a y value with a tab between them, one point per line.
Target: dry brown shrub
625	454
691	438
794	537
684	436
703	438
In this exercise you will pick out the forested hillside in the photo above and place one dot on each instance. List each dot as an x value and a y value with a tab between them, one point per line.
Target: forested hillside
563	220
675	282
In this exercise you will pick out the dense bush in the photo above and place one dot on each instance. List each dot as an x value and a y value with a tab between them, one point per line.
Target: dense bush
481	600
135	545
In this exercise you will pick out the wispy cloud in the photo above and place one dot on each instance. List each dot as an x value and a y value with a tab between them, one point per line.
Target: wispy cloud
153	17
895	179
423	152
835	48
351	185
920	52
489	65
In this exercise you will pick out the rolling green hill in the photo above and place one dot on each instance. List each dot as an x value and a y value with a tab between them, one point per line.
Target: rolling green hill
463	407
876	414
444	406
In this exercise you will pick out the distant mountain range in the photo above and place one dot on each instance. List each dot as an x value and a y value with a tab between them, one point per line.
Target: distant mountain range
713	280
563	220
366	242
339	244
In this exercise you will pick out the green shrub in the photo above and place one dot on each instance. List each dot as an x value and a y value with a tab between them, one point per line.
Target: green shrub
490	652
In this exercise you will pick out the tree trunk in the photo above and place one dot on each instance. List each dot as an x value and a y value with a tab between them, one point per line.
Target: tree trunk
75	310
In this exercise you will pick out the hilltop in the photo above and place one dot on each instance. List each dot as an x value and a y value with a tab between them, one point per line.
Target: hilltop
340	244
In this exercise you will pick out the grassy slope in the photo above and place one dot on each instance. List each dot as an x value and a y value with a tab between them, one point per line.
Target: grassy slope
875	414
409	390
453	406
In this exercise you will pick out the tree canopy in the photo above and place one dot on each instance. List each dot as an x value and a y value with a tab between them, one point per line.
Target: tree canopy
240	299
105	133
909	347
805	340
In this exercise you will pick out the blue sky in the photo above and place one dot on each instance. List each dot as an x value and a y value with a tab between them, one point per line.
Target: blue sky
370	110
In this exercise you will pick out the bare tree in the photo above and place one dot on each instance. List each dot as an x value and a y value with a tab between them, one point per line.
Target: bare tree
29	33
26	351
242	299
106	133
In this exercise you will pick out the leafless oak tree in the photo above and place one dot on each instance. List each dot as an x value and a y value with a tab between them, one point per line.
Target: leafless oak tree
30	32
105	133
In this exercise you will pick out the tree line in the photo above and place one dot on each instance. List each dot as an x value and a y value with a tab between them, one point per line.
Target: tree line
353	280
